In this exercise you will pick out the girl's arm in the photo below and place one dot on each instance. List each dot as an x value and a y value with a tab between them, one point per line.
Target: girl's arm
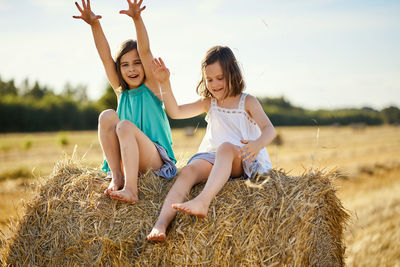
144	51
161	73
101	43
252	147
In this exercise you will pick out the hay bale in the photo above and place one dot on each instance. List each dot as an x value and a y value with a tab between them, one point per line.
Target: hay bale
277	220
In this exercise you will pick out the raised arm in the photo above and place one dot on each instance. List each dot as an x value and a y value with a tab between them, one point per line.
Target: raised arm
100	41
134	11
252	147
161	73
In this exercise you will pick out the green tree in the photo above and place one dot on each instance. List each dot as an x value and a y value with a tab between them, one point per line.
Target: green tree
391	115
108	100
279	102
36	91
8	88
77	93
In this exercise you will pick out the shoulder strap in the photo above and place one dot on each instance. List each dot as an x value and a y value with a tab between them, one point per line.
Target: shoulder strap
213	102
242	100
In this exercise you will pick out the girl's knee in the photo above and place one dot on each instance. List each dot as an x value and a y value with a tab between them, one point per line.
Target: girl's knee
227	147
108	117
187	172
125	127
190	174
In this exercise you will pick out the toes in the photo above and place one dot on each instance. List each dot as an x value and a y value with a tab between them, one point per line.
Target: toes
115	195
160	237
110	189
151	237
182	208
156	237
123	196
177	206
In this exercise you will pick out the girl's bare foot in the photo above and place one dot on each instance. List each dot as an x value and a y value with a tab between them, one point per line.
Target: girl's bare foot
156	235
124	195
193	207
115	185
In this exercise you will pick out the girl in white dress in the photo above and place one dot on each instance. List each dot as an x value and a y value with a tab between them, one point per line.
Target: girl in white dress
237	133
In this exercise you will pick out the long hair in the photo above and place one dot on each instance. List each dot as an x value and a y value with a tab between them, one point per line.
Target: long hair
231	71
125	47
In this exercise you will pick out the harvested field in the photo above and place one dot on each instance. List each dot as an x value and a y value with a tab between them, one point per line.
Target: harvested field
372	237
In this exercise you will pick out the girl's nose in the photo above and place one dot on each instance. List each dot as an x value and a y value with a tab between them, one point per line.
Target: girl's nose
215	85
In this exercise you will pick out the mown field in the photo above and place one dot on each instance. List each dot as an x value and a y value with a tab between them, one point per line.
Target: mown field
365	159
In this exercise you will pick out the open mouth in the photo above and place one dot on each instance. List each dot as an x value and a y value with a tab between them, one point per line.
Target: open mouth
133	76
217	90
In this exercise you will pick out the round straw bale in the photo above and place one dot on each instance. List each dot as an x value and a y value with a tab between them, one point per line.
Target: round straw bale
275	220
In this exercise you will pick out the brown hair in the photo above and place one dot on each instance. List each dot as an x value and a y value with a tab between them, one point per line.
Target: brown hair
230	68
125	47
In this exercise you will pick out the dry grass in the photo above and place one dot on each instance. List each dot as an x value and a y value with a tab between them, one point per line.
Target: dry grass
278	220
13	194
373	237
331	147
45	149
302	148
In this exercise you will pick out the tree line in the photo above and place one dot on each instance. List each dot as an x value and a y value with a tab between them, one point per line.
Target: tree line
282	112
34	107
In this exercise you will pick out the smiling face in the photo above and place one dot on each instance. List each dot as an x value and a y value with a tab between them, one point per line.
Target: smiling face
215	80
132	69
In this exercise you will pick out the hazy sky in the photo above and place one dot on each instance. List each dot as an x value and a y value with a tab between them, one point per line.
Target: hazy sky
316	53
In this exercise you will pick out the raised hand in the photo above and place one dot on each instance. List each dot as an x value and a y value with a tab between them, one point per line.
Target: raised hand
134	10
160	71
86	13
250	150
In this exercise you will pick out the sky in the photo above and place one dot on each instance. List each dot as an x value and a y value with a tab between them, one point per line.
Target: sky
316	53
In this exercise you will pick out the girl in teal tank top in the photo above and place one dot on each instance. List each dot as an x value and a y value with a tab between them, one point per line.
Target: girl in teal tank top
145	110
137	137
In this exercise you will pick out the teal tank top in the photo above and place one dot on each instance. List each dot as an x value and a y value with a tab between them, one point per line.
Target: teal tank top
141	107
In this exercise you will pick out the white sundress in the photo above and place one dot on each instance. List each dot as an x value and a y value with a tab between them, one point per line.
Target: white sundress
232	125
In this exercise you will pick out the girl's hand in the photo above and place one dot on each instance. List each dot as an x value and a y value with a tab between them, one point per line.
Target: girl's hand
250	150
86	13
134	9
160	71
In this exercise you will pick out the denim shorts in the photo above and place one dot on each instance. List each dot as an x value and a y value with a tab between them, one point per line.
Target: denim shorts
250	168
168	170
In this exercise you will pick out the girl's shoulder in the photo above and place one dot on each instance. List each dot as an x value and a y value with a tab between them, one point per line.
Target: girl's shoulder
249	100
251	104
206	101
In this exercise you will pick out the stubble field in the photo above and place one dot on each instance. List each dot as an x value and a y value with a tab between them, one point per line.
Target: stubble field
365	159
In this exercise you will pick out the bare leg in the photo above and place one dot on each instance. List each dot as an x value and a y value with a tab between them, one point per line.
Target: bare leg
196	172
138	153
227	163
108	120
